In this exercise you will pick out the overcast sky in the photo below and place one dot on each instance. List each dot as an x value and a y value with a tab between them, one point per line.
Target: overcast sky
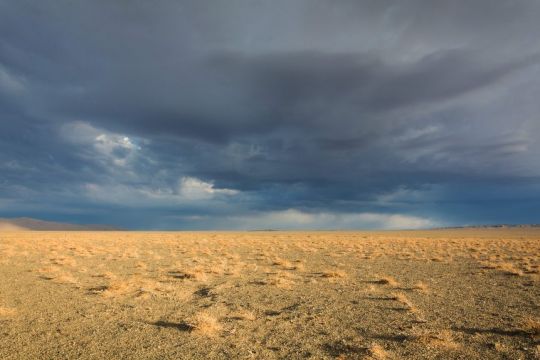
270	114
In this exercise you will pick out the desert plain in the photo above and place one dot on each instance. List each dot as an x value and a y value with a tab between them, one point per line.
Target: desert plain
433	294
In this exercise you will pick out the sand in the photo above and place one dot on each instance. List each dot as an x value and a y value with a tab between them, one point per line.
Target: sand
441	294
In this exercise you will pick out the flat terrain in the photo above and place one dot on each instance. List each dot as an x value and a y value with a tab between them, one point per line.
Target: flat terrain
441	294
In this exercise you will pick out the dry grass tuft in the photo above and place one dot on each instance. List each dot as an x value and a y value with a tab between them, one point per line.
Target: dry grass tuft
387	280
65	279
334	274
64	261
114	289
531	326
377	352
204	324
106	275
441	339
196	274
500	347
404	300
47	270
509	269
421	286
506	268
537	352
141	265
247	315
282	262
7	312
282	280
488	265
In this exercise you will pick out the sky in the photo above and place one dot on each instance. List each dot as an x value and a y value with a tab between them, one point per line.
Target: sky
282	114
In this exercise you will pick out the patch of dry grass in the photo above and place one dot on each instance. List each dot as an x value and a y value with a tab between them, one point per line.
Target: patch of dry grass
531	326
404	300
334	273
506	267
282	262
282	280
7	312
204	324
436	338
509	269
387	280
65	278
421	286
377	352
197	274
252	290
246	315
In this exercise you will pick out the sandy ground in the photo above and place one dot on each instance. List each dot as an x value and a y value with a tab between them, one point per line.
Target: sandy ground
445	294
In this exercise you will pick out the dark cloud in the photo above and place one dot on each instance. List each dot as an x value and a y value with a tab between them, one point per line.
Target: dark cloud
199	114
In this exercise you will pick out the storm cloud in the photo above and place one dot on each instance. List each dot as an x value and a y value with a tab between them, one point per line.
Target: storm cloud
281	114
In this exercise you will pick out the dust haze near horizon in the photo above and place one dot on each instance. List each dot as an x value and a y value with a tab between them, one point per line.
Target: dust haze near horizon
282	114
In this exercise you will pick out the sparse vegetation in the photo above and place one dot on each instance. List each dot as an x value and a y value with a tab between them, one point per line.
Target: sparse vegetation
532	326
204	324
387	280
377	352
271	295
404	300
421	286
6	312
334	274
438	338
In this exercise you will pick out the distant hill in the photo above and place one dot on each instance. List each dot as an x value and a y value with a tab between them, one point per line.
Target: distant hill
25	224
494	226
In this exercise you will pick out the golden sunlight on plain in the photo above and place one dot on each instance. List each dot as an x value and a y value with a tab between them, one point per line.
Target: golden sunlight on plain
470	293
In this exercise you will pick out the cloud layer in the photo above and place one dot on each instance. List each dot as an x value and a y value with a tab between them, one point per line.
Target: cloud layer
290	114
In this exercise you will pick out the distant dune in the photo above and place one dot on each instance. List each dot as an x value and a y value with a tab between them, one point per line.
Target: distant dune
26	224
